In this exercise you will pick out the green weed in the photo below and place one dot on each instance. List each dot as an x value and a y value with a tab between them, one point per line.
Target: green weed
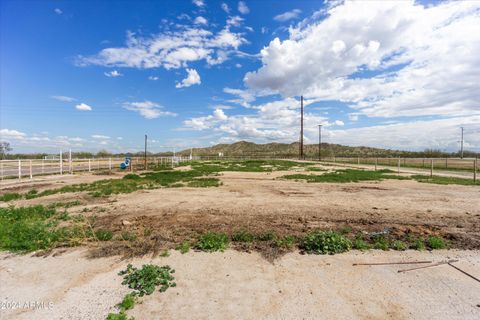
144	281
436	243
10	196
344	176
325	242
183	247
212	241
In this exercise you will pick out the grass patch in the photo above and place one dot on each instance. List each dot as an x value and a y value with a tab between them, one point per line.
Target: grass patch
325	242
418	244
183	247
145	280
104	235
128	302
212	241
26	229
445	180
360	244
10	196
436	243
399	245
348	175
243	236
248	165
380	242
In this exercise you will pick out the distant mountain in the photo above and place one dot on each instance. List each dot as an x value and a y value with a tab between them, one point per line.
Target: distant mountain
246	148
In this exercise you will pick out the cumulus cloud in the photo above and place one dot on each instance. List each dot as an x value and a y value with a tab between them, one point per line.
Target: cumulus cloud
147	109
58	11
169	49
200	20
83	107
11	134
242	7
339	123
272	121
100	136
113	74
289	15
63	98
225	7
199	3
383	58
192	78
153	78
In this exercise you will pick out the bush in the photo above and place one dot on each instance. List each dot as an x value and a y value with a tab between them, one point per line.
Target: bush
243	236
325	242
436	243
399	245
103	235
380	242
212	241
128	302
360	244
419	244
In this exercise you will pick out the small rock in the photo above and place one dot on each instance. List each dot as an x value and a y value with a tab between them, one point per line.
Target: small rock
126	223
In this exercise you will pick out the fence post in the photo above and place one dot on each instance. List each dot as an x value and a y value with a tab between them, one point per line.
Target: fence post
376	163
19	169
70	169
358	160
1	169
446	162
61	163
31	173
89	165
475	170
43	166
431	168
110	164
398	170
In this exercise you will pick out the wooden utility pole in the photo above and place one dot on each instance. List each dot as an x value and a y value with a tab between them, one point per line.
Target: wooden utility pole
145	157
301	127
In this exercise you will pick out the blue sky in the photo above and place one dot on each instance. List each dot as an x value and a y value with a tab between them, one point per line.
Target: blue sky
85	75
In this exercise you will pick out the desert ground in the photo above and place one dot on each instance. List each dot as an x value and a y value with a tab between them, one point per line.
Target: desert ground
255	281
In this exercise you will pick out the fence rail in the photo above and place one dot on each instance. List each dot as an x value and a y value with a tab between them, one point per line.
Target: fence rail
28	168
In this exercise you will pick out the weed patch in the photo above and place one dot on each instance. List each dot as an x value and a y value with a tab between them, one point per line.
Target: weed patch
436	243
445	180
325	242
344	176
212	241
144	281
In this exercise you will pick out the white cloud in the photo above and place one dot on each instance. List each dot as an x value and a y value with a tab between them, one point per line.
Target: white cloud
199	3
289	15
383	58
63	98
100	137
235	21
83	107
200	20
147	109
339	123
113	74
238	65
192	78
245	96
264	30
153	78
170	49
225	7
11	134
58	11
242	7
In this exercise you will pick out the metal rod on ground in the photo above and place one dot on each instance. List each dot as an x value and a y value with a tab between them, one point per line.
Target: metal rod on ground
431	265
465	273
389	263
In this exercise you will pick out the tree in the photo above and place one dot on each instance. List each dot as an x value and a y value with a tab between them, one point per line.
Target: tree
4	148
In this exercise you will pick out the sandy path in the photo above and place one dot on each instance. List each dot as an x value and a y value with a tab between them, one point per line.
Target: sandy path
235	285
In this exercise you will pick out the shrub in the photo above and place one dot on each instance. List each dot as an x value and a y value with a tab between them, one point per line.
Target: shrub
212	241
243	236
419	244
128	302
325	242
360	244
436	243
131	176
103	235
399	245
380	242
145	280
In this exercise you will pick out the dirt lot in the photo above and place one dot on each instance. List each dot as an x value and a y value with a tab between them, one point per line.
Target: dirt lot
236	285
242	285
